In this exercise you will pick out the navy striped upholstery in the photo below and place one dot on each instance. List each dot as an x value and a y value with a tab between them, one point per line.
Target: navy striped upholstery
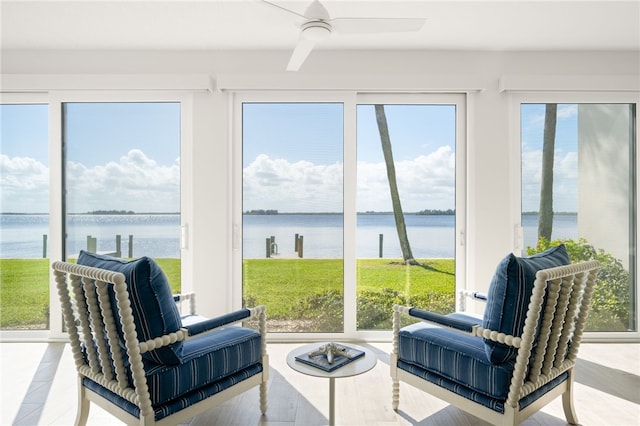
494	404
453	356
163	410
154	310
458	362
509	295
205	360
213	356
210	364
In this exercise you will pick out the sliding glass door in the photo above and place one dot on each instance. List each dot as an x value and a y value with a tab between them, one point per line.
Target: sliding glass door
24	216
292	214
331	238
122	181
408	215
579	179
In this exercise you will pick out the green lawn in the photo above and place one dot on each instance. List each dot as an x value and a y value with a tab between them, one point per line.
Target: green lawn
312	289
24	291
438	276
283	285
280	283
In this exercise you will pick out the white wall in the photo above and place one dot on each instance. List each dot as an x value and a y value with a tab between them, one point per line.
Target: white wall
492	198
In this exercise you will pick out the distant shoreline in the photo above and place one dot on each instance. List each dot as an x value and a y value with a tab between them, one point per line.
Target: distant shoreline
368	213
372	213
93	214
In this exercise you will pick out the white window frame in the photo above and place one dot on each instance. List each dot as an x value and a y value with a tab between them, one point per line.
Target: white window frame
350	100
31	335
516	98
55	99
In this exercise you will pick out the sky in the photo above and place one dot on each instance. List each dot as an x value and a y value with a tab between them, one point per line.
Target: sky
126	156
120	156
565	178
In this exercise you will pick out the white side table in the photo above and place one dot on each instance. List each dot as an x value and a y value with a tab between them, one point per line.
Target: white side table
358	366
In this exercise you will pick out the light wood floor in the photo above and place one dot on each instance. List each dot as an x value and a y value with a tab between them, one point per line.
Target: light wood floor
38	388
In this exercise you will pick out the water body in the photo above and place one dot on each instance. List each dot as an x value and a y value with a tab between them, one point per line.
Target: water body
159	235
153	235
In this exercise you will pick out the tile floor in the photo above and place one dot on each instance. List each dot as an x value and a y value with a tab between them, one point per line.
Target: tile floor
39	388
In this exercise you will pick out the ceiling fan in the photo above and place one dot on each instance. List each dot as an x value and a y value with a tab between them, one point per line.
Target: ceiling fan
317	26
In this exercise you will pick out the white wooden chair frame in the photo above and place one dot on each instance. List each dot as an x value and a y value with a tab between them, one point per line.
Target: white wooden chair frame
83	280
568	295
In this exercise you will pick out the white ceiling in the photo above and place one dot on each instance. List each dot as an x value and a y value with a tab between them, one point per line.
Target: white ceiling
254	25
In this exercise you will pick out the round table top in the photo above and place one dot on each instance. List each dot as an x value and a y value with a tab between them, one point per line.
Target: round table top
355	367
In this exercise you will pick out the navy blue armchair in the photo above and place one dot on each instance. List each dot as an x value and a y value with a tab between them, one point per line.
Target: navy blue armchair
519	356
141	359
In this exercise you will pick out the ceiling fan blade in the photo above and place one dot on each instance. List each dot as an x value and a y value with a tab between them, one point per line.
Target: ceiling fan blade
270	3
300	53
377	25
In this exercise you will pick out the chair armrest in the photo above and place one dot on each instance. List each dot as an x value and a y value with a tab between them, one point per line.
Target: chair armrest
475	295
228	319
479	296
451	323
217	322
179	297
189	298
442	320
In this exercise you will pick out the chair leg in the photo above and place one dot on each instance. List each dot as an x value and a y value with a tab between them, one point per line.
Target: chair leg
567	401
510	416
83	405
395	394
263	398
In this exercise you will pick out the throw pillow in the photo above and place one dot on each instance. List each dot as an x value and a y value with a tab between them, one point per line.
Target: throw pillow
154	311
509	295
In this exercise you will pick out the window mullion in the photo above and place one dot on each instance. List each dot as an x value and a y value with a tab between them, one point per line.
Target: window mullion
350	216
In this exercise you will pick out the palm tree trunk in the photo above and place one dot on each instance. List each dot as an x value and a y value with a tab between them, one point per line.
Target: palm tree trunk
401	228
545	218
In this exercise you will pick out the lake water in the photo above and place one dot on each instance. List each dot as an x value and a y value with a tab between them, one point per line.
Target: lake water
159	235
153	235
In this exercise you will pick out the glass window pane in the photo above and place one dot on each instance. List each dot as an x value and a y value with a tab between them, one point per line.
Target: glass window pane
578	174
293	214
122	176
406	210
24	219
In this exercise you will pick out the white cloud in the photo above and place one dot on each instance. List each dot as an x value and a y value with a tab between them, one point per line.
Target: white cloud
135	182
24	185
567	111
565	181
426	182
292	187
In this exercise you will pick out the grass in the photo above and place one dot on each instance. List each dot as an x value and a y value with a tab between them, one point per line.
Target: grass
24	291
280	284
438	276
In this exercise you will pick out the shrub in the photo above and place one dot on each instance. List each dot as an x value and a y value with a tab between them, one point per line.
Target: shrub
611	302
375	308
324	309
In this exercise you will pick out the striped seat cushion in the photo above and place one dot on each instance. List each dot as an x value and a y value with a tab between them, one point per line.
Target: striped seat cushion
471	394
455	357
206	359
163	410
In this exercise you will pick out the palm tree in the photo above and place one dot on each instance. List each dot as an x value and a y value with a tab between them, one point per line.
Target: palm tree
401	228
545	218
